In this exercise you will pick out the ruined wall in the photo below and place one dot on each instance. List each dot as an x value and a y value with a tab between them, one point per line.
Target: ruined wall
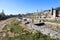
53	26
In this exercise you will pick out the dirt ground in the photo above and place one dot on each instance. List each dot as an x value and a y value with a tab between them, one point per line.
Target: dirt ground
25	27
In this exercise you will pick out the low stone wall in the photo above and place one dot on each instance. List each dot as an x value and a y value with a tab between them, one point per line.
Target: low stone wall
53	26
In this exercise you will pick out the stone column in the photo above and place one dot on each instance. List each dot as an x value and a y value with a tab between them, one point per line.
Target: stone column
54	13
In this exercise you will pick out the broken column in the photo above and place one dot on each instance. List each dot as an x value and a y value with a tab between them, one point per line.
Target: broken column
54	13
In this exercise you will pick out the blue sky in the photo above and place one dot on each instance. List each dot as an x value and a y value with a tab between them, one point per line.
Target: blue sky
25	6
